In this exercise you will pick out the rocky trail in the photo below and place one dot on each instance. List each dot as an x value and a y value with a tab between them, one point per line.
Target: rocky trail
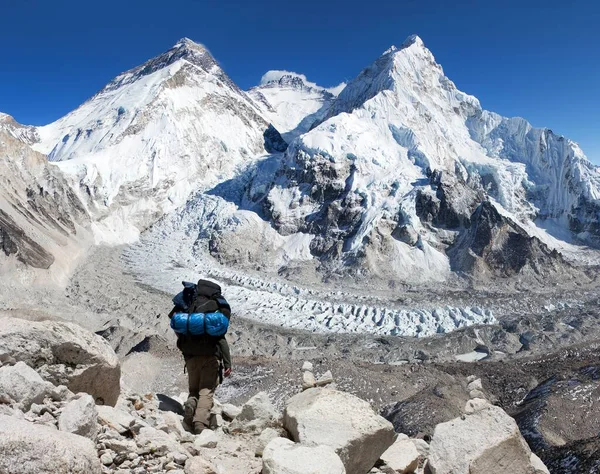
320	429
416	384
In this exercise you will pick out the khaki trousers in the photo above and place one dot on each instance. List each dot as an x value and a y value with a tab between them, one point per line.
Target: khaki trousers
203	376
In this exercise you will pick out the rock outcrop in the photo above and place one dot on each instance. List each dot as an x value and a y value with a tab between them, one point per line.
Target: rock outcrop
64	354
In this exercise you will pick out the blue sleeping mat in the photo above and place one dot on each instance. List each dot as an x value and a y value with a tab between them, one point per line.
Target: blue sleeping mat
197	324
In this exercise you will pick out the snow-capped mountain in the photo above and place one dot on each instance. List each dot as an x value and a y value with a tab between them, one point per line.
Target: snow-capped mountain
407	178
291	102
153	135
42	222
397	175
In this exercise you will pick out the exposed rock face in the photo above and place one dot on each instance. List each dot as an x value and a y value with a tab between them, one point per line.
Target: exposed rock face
26	448
65	354
496	245
274	142
283	456
39	212
485	441
342	421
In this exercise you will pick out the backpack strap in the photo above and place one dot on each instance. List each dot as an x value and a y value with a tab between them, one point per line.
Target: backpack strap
223	305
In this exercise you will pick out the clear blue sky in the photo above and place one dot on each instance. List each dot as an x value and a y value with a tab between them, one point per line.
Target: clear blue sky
535	59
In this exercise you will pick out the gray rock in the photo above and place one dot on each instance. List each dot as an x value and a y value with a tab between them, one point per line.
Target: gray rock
308	380
66	354
265	438
158	441
206	439
325	379
198	465
485	441
23	384
79	417
402	456
115	419
257	414
475	385
282	456
323	416
26	448
106	459
121	446
230	411
307	366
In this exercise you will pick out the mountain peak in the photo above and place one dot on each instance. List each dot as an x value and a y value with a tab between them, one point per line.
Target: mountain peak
412	40
186	49
191	45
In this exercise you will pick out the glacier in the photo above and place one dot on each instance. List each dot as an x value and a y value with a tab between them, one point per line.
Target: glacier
395	180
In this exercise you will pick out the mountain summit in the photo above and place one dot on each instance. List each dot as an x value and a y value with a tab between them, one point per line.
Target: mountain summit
152	136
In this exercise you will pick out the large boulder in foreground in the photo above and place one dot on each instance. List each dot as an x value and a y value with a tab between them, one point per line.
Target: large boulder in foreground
282	456
486	441
64	354
323	416
27	448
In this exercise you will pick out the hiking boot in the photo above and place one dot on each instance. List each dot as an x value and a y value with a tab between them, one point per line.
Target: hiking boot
189	408
199	427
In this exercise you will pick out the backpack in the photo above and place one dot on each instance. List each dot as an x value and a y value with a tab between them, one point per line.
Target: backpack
201	318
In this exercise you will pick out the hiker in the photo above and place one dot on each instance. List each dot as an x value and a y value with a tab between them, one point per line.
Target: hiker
207	358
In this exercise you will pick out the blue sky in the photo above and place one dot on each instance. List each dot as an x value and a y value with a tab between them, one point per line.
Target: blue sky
535	59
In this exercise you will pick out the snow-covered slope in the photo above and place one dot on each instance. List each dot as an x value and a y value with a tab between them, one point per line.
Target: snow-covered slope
292	103
154	134
407	178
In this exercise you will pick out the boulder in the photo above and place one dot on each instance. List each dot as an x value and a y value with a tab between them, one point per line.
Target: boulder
65	354
538	465
324	416
257	414
118	420
402	456
22	384
80	417
264	439
483	442
307	366
198	465
26	448
282	456
230	411
206	439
